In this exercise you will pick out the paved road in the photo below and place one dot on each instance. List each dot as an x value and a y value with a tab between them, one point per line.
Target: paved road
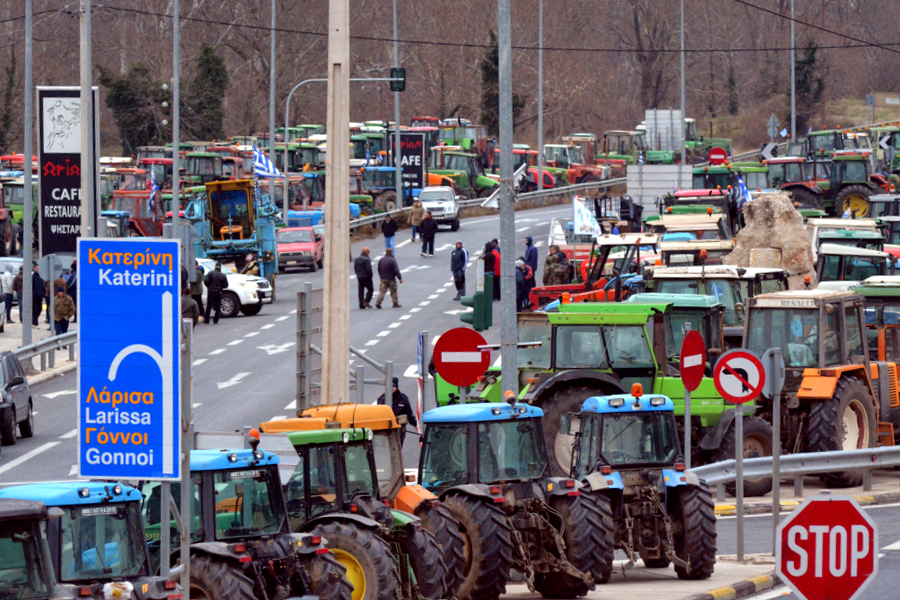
244	367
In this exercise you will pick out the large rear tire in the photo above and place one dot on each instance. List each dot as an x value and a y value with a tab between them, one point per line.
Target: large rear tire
213	579
371	567
386	201
438	520
757	442
854	197
328	578
559	402
425	560
488	547
694	524
806	198
846	421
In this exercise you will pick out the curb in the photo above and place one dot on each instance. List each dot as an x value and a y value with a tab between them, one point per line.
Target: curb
741	589
756	508
47	375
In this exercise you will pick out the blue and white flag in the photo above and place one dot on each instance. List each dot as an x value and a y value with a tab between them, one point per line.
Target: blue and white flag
153	188
640	157
745	193
368	157
585	223
263	167
783	132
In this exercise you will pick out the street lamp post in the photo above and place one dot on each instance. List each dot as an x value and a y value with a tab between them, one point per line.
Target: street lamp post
540	122
272	103
683	122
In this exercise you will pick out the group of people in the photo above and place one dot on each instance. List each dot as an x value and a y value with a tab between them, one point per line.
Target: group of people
62	292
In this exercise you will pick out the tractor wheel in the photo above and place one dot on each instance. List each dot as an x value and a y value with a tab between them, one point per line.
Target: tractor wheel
558	403
488	547
328	578
806	198
438	520
26	427
386	201
589	178
214	579
846	421
588	533
231	306
694	524
425	560
757	442
855	198
251	309
371	567
485	192
8	426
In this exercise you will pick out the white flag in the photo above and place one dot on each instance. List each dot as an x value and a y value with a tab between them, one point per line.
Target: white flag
584	222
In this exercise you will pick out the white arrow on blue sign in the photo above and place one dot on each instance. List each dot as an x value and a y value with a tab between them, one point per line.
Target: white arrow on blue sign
128	364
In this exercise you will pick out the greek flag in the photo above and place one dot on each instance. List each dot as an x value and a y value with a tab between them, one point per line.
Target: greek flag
153	188
640	157
745	193
263	167
368	157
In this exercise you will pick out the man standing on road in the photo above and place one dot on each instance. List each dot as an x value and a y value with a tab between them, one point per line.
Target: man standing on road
363	267
521	285
189	307
389	273
6	287
400	404
416	214
427	230
38	290
63	310
216	281
389	230
459	260
197	288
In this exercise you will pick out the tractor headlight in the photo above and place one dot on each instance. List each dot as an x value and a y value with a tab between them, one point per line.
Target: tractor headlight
616	402
369	435
657	401
346	438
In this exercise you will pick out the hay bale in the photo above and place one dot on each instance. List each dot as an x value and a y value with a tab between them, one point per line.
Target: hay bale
772	223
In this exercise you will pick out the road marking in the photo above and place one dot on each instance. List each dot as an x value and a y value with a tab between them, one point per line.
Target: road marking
414	310
394	325
425	303
404	243
539	244
276	348
293	312
69	435
196	404
521	229
383	333
278	418
457	311
284	318
894	546
235	342
73	470
291	406
405	317
27	456
198	362
497	362
435	339
779	593
219	351
233	381
252	334
411	371
269	326
53	395
372	342
448	284
434	296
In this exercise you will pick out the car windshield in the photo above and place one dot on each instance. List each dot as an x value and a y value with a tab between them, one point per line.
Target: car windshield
436	196
23	571
602	347
510	450
294	236
247	503
445	456
629	439
101	542
208	265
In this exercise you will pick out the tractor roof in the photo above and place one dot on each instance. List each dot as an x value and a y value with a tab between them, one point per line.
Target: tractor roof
481	412
676	300
843	250
328	436
850	155
880	285
778	160
605	313
746	166
698	193
802	298
711	272
850	234
624	132
229	460
630	404
714	169
884	198
20	510
843	223
376	417
72	493
701	218
695	245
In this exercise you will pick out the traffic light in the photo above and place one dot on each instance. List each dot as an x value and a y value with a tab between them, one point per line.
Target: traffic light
475	318
398	75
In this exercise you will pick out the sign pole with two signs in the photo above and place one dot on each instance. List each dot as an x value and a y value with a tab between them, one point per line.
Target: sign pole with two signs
739	377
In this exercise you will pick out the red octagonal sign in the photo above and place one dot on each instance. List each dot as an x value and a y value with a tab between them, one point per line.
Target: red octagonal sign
827	549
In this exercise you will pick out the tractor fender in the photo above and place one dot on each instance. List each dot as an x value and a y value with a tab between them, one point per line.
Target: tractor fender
714	436
341	517
596	482
410	497
479	491
402	519
303	542
606	380
556	486
673	478
220	549
816	385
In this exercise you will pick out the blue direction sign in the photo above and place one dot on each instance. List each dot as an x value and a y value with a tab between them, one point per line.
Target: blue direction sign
128	364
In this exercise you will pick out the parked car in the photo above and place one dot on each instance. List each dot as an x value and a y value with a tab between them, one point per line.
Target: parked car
300	247
245	293
443	204
16	404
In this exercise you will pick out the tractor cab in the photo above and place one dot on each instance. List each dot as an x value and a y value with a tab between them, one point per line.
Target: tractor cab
132	179
854	238
840	267
203	167
230	211
690	312
26	570
884	205
694	253
706	225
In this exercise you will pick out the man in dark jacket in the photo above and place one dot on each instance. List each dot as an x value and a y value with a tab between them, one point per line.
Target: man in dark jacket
189	307
389	231
427	230
400	404
521	286
363	267
197	288
389	273
459	260
38	291
216	281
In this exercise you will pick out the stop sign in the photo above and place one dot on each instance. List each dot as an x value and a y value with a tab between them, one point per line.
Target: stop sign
827	549
457	358
716	156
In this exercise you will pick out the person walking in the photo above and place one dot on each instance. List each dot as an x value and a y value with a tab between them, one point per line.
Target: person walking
459	260
531	254
63	310
18	286
495	249
521	292
216	281
389	231
389	273
427	230
189	307
38	291
416	214
197	288
6	288
363	268
401	406
72	288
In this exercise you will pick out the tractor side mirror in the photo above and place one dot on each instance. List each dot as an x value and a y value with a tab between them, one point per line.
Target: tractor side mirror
565	424
739	307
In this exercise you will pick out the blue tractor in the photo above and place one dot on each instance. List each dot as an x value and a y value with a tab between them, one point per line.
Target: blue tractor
627	449
96	542
26	569
242	547
488	464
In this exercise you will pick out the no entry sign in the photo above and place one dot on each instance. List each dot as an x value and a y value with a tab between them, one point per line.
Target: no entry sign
739	376
457	358
717	156
693	360
827	549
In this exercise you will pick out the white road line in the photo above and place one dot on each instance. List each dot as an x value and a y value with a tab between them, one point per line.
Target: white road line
521	229
69	435
198	362
894	546
539	244
383	333
404	243
27	456
269	326
219	351
293	312
497	362
434	296
284	318
73	470
424	303
252	334
53	395
776	593
414	310
411	371
372	342
394	325
278	418
405	317
291	406
235	342
448	284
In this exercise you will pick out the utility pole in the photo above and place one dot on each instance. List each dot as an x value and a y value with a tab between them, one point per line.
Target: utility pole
272	111
398	171
508	334
683	122
540	124
336	311
176	120
28	186
793	79
87	114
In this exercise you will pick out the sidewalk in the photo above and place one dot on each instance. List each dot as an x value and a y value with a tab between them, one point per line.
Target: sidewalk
11	340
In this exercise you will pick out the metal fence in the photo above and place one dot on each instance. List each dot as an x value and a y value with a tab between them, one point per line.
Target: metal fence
47	348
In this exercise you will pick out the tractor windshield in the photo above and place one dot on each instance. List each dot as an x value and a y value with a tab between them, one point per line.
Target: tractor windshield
796	332
602	347
101	542
388	462
510	450
536	357
782	173
23	569
755	180
682	320
247	503
851	170
445	456
358	477
727	291
626	440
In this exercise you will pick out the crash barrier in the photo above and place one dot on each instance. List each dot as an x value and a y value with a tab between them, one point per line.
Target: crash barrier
47	348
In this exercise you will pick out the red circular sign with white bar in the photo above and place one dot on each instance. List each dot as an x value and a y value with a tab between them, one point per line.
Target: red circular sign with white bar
457	358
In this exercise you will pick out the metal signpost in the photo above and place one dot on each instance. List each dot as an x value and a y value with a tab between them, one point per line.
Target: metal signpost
692	366
458	360
739	377
773	364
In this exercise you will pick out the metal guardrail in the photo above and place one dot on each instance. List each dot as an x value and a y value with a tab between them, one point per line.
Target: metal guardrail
47	348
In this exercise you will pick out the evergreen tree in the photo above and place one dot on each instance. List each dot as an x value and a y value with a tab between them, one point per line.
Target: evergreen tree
490	90
7	135
136	100
810	87
733	96
203	107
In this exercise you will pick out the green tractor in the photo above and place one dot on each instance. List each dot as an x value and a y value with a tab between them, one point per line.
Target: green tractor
202	167
627	146
841	186
464	169
700	145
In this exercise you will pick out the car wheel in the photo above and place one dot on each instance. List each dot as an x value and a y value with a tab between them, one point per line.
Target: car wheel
26	427
320	262
231	305
251	309
314	267
8	426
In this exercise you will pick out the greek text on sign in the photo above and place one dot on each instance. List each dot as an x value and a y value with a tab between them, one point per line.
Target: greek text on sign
129	335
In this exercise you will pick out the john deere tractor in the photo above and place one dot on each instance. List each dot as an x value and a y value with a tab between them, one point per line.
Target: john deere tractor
489	465
627	450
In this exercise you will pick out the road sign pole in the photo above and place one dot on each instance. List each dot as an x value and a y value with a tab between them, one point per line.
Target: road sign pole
739	477
187	443
463	393
164	529
776	458
687	428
